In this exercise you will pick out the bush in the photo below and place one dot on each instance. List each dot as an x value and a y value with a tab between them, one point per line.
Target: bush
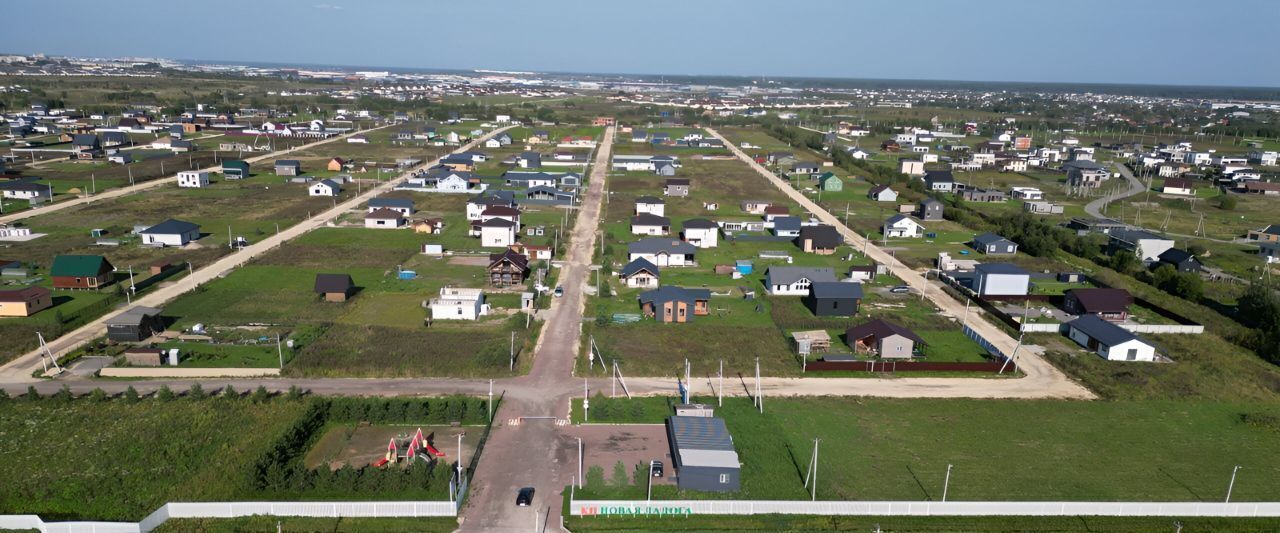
131	394
196	392
1228	202
164	394
620	478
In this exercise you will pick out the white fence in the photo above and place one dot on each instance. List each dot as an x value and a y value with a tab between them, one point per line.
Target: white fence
238	509
901	508
1054	327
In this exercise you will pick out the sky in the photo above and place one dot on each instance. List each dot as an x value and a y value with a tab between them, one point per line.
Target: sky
1163	42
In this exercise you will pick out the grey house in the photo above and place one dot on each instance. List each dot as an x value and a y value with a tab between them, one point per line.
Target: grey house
930	209
288	167
834	298
992	244
134	325
703	454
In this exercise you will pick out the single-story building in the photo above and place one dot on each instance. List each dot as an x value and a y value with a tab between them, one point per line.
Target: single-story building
288	167
885	339
384	218
81	272
639	273
992	244
834	298
795	280
134	325
170	233
675	304
1109	304
1108	340
821	239
703	454
25	302
1001	279
335	287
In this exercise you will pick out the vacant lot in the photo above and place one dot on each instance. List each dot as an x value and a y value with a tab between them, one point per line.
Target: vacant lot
900	449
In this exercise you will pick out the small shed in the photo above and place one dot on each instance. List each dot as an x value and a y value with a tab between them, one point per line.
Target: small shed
703	454
134	325
334	287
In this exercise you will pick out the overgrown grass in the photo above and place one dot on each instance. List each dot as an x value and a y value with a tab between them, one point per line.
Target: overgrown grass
917	524
292	524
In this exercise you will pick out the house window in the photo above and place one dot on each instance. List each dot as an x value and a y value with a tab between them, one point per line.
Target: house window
724	479
459	311
1133	354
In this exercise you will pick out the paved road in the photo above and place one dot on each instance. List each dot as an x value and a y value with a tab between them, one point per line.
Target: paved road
124	191
530	454
1094	208
1042	379
20	369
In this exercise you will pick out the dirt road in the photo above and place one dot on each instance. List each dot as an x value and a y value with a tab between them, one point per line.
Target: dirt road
125	191
20	369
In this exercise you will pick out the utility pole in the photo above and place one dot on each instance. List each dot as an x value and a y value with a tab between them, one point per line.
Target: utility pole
490	400
1232	485
720	387
513	352
579	462
585	402
759	395
280	351
946	483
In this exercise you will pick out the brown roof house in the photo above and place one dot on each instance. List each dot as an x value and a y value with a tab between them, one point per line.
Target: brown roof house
508	268
1108	304
335	287
885	339
25	302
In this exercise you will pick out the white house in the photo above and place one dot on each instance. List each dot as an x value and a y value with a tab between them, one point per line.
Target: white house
662	251
458	304
651	205
193	179
497	233
882	193
646	224
383	217
859	154
1027	193
912	167
324	188
1001	279
701	232
1108	340
795	281
902	226
170	233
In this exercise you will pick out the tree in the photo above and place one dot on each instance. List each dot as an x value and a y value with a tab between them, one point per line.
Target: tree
131	395
1123	262
1228	202
294	393
164	394
196	392
595	476
620	478
32	394
260	395
98	395
230	392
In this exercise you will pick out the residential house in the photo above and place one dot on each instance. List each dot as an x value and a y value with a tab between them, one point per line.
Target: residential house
1108	304
662	252
773	212
81	272
830	182
787	226
508	268
337	164
1146	245
430	226
804	168
1042	208
651	205
930	209
1001	279
911	167
170	233
834	298
1108	340
884	339
193	179
1084	173
676	187
384	218
457	303
673	304
497	233
27	189
1180	260
992	244
25	302
404	206
134	325
86	146
1269	251
940	181
821	239
324	188
334	287
795	281
1027	193
288	167
477	205
701	232
639	273
646	224
1271	233
755	207
983	195
882	193
235	169
1179	186
902	226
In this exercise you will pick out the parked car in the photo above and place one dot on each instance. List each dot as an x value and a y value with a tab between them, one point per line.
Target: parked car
900	289
559	292
524	498
656	469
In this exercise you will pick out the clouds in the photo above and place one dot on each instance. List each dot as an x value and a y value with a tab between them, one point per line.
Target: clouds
327	7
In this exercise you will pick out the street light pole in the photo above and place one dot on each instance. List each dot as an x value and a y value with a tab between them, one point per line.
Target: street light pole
579	462
1232	485
947	483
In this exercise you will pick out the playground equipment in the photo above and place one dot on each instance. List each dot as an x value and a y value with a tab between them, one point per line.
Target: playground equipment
418	445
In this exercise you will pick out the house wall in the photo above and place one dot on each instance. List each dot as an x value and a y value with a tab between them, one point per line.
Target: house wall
647	230
642	279
26	308
831	306
497	237
708	479
1003	284
896	347
1120	352
702	238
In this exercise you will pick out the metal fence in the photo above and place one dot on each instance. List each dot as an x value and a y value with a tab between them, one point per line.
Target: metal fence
238	509
903	508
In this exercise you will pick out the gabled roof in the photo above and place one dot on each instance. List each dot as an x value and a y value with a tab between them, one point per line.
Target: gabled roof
22	295
1271	229
500	211
288	163
235	163
329	183
677	181
1176	256
331	283
497	223
822	235
84	139
1000	268
650	219
786	223
639	264
1101	330
899	218
402	203
172	227
383	213
653	245
836	289
1179	183
880	329
928	202
699	223
939	176
79	266
1102	300
879	189
650	200
671	293
786	275
509	256
982	241
132	317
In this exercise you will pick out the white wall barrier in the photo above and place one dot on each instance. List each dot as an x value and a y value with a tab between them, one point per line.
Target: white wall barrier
238	509
903	508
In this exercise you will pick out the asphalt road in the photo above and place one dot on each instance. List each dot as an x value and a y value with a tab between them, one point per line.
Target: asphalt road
1094	208
125	191
20	369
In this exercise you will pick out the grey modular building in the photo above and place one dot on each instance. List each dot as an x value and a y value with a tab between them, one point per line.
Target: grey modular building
703	454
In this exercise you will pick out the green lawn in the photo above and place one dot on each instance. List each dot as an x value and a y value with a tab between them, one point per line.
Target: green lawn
880	449
916	524
293	524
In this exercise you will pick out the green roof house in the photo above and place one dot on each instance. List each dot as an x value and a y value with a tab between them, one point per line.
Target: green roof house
80	272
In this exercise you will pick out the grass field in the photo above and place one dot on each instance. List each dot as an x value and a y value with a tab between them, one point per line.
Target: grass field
267	524
875	449
912	524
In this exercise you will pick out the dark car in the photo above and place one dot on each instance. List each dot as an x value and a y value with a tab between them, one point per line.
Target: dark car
559	292
656	469
525	497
